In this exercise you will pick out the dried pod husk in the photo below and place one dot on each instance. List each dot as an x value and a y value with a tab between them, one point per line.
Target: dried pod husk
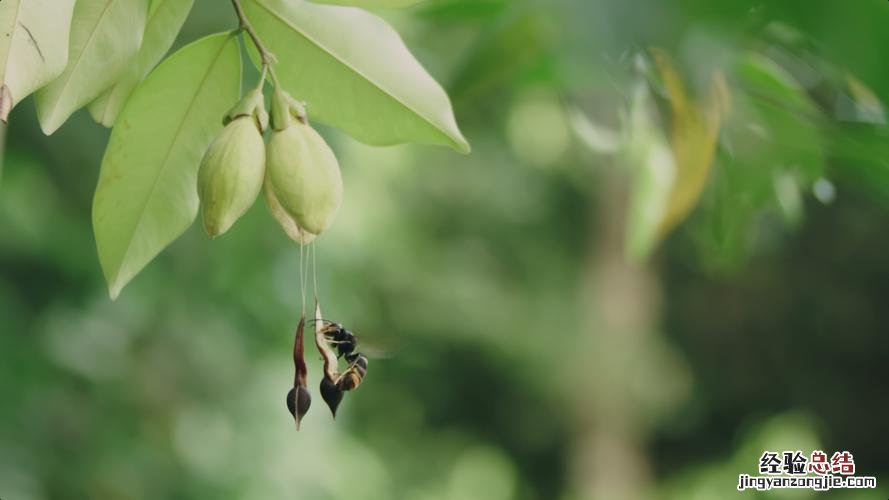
299	399
302	169
231	174
330	393
288	223
328	356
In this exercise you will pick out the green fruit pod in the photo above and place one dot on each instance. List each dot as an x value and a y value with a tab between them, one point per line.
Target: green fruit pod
305	176
231	174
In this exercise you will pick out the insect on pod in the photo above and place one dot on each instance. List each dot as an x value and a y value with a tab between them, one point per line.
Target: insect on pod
333	388
354	375
330	336
345	343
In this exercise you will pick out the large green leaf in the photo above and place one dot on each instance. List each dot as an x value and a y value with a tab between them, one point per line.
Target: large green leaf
33	47
369	4
146	195
105	35
165	19
355	73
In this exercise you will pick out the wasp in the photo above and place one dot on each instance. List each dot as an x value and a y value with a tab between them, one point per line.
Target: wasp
354	374
333	335
338	336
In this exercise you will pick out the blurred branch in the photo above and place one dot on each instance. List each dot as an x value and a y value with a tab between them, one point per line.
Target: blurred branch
620	303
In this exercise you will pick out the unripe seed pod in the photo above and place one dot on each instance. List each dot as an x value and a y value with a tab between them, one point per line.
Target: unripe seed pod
304	175
231	174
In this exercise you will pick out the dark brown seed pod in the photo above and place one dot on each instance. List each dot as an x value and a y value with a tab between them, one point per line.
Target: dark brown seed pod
291	402
331	394
298	406
299	399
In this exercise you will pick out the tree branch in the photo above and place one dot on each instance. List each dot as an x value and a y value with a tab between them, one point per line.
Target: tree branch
267	57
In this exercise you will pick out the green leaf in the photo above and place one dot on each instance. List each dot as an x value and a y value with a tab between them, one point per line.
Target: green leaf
503	56
788	119
33	47
105	35
369	4
773	146
146	196
859	153
648	155
694	134
355	73
165	19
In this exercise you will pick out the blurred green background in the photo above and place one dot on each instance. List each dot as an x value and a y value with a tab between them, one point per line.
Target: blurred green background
527	357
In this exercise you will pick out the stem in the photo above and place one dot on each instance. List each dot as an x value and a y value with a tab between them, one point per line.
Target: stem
268	59
262	76
274	77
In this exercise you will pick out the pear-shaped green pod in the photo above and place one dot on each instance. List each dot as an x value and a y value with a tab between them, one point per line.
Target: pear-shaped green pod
305	176
231	174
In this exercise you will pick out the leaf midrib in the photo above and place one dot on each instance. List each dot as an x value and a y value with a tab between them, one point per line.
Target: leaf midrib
324	48
165	162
